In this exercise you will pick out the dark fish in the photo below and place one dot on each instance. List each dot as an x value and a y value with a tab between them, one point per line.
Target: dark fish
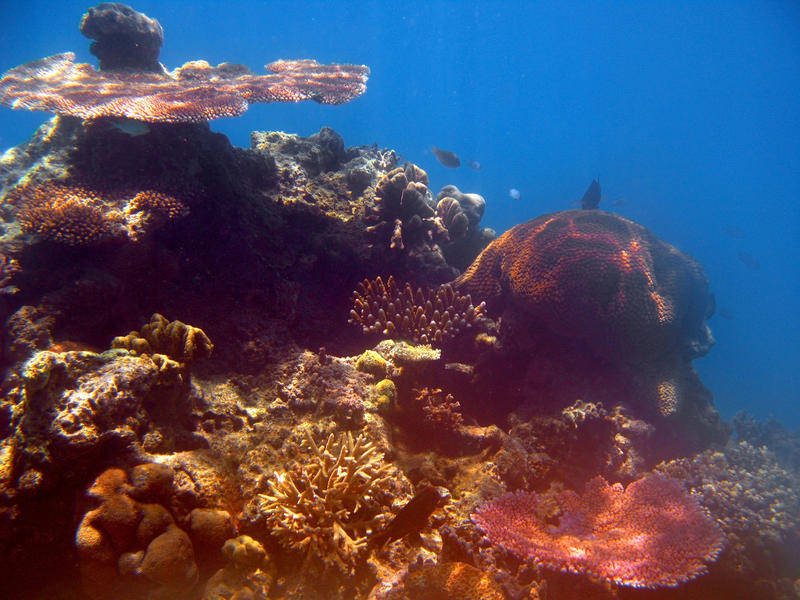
591	199
749	261
734	232
725	313
474	165
411	518
447	158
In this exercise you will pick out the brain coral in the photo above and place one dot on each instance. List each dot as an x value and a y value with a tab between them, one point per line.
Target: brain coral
597	277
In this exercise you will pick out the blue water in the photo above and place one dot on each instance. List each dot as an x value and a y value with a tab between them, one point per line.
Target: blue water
687	111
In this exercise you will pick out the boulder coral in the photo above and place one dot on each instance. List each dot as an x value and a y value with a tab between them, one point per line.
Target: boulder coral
599	293
129	544
600	278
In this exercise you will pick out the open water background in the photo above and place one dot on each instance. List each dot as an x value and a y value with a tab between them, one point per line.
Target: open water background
687	112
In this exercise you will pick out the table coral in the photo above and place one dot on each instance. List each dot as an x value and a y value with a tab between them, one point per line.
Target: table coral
651	534
195	92
425	316
326	508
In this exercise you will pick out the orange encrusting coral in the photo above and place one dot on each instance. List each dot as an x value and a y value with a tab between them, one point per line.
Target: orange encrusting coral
651	534
194	92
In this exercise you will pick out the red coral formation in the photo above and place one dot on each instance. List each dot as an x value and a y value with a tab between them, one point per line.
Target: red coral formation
650	534
194	92
79	215
597	277
427	316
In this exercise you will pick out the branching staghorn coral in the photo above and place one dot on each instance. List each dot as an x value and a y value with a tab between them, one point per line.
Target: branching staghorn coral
427	316
328	506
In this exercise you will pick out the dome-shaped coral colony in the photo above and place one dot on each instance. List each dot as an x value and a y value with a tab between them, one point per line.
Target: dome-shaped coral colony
531	397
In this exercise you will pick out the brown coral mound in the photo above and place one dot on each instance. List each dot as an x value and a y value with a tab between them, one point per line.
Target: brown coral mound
425	316
600	278
179	341
650	534
194	92
80	215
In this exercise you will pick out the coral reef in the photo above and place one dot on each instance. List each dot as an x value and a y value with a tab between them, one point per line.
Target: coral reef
600	278
124	38
327	508
302	459
427	316
460	214
650	534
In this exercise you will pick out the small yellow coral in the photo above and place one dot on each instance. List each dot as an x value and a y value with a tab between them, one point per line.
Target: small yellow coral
327	507
371	362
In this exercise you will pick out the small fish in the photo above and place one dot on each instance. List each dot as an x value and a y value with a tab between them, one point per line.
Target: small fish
474	165
749	261
591	198
514	194
131	127
725	313
447	158
411	518
734	232
619	202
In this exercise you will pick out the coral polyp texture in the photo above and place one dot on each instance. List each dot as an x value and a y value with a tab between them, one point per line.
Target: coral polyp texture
79	215
598	277
326	508
425	316
195	92
651	534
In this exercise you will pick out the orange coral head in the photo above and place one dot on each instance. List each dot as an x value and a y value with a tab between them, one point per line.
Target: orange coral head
651	534
192	93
